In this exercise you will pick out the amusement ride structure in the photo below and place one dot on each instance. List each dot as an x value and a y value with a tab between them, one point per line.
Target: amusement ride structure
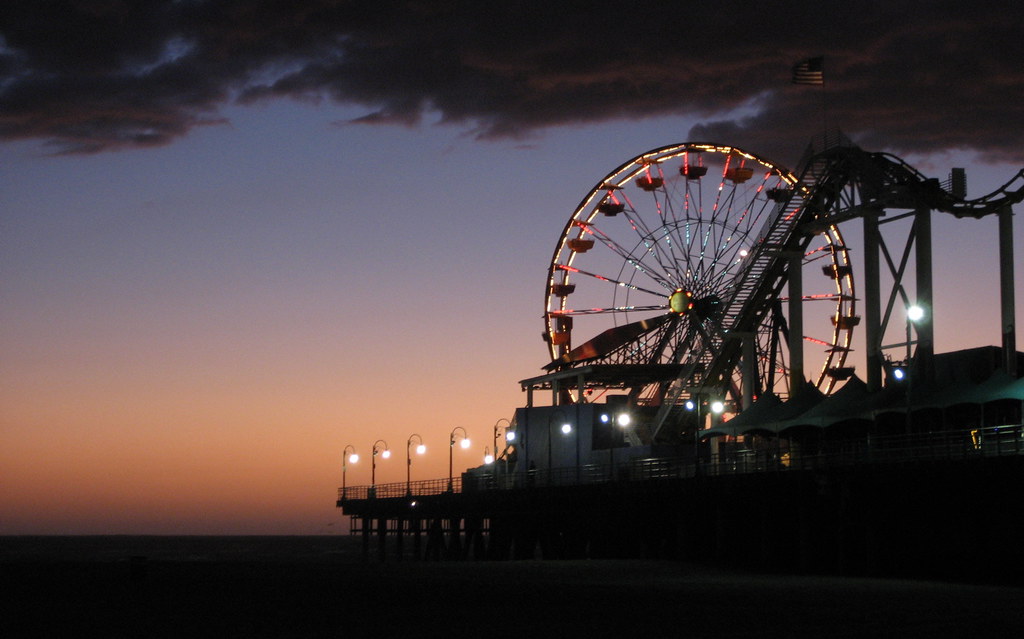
701	312
683	272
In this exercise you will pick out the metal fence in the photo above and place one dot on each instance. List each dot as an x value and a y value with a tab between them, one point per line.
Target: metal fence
994	441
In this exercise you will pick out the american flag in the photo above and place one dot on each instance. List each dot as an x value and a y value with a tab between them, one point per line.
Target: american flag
810	71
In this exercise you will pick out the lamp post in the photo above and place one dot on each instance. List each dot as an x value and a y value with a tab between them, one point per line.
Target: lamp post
494	440
420	449
568	429
464	443
694	405
510	436
716	407
622	419
565	423
915	314
384	453
346	458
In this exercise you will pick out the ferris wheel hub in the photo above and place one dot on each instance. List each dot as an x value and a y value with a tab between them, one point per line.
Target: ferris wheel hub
681	301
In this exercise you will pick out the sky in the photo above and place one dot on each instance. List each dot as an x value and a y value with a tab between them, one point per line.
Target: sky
236	237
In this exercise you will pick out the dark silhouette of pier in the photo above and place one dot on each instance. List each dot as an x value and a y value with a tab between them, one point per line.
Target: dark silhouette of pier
941	505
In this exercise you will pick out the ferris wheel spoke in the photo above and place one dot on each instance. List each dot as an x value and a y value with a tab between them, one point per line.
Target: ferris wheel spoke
721	187
713	235
614	309
648	237
674	236
637	263
819	297
720	280
633	287
692	237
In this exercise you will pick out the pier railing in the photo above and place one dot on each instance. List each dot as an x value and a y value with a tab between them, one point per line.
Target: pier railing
997	441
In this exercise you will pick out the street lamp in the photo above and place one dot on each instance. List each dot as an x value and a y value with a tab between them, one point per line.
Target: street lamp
694	405
509	434
420	449
621	419
567	429
915	314
385	453
717	407
346	458
565	425
464	443
488	457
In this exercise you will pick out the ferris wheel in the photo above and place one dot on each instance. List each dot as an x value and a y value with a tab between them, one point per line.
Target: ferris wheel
661	258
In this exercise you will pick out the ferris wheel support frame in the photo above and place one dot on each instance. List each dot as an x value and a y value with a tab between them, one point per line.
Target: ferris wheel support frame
794	274
883	182
1006	290
841	183
920	332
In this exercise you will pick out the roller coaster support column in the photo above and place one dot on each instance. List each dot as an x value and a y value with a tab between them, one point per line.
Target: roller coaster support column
796	321
872	301
749	360
925	354
1006	298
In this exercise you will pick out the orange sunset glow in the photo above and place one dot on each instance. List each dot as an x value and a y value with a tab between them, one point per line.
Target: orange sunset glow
232	244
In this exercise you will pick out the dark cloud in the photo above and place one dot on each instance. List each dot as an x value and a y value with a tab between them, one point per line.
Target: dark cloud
99	75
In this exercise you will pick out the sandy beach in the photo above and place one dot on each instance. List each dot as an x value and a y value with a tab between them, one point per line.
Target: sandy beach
320	586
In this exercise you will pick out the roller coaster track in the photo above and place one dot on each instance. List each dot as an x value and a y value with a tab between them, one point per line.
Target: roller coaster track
839	184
